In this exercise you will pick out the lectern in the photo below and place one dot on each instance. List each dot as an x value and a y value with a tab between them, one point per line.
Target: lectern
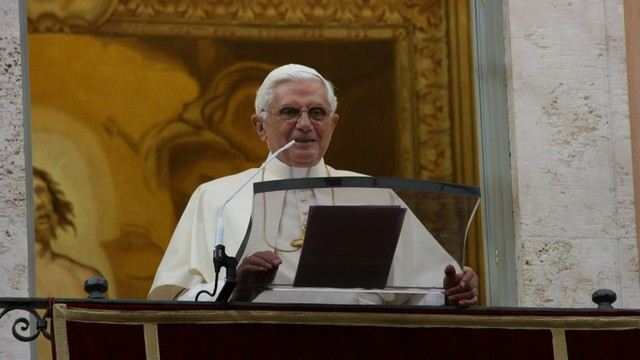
366	240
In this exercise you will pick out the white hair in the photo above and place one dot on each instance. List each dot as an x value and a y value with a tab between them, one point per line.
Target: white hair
264	96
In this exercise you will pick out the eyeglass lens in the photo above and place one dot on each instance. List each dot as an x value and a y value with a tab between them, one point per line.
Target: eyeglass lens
315	113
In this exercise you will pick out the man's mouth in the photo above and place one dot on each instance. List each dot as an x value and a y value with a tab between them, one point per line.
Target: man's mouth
304	141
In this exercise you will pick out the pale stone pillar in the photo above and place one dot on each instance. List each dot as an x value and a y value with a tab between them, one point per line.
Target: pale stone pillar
571	152
14	268
632	43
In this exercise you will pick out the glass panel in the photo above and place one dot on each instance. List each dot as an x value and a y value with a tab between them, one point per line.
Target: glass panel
358	239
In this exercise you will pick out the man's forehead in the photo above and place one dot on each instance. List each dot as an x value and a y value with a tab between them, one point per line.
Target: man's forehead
292	89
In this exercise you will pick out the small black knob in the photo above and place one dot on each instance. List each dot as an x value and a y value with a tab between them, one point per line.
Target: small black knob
96	287
604	298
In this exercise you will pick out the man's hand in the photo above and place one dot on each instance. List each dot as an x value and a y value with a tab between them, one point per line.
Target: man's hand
254	271
461	289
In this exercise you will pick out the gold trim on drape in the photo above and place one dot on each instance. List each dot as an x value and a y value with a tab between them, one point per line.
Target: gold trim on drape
60	329
559	344
151	344
345	319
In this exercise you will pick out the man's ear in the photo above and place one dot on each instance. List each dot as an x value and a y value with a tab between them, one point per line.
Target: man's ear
258	124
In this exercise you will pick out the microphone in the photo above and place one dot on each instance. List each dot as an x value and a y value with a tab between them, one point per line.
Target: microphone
220	258
219	228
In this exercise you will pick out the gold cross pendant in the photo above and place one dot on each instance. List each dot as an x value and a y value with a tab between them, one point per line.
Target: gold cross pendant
297	243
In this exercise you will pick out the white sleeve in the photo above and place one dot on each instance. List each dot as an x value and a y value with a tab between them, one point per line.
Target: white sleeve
190	295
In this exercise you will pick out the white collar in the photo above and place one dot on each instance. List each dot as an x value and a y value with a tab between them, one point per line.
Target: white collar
298	173
280	170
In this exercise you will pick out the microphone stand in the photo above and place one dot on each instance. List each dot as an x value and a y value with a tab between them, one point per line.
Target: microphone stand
221	259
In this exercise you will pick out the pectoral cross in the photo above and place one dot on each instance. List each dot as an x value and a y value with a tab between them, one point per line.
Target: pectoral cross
297	242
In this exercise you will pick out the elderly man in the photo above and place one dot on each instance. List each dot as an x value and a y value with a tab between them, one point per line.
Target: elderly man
293	103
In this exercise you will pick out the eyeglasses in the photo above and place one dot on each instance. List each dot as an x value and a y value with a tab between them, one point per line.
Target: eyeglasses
289	113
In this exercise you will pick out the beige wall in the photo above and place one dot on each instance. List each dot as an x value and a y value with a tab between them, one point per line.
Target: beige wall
571	152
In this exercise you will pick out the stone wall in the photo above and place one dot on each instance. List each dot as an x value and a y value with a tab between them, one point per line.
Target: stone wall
571	152
14	269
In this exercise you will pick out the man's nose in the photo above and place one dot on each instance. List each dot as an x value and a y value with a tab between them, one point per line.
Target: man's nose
303	122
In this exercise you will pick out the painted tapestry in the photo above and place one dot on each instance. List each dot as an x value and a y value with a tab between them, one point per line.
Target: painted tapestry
135	103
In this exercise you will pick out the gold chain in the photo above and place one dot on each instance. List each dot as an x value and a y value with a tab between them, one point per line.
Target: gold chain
296	243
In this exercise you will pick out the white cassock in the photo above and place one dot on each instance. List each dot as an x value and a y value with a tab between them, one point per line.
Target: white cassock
187	265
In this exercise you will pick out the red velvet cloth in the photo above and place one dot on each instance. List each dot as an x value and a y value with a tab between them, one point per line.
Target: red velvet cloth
105	341
285	341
